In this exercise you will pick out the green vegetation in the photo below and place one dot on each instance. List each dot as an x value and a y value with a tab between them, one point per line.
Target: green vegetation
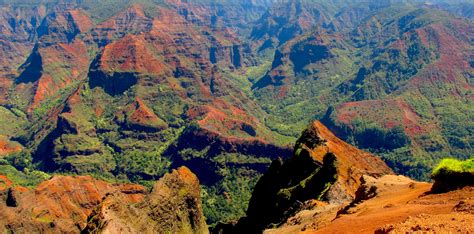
11	121
452	174
21	160
26	178
228	199
451	166
139	164
379	61
382	65
377	138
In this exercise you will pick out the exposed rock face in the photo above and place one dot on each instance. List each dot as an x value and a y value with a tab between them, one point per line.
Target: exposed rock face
60	204
62	25
351	163
166	46
11	198
50	70
174	206
71	204
286	20
137	76
140	117
93	82
17	35
323	167
132	20
215	144
412	60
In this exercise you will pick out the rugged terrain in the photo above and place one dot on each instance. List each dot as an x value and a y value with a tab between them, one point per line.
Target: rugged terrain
392	82
81	203
329	186
390	204
128	90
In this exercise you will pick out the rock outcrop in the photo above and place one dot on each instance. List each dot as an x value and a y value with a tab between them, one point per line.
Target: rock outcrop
7	146
173	206
400	204
63	25
74	204
329	186
139	117
322	168
60	204
412	59
126	89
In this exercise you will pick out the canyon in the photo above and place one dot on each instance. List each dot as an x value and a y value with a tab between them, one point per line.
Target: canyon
267	103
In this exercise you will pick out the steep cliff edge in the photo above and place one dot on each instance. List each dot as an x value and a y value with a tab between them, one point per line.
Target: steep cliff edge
323	168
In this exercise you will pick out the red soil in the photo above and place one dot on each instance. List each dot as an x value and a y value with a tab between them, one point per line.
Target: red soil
453	52
12	55
387	113
8	147
5	183
132	18
186	176
81	19
348	157
400	205
62	64
220	117
130	54
64	200
140	114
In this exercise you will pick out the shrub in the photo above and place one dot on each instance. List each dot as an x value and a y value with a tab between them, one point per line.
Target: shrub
138	164
378	138
451	166
452	174
20	160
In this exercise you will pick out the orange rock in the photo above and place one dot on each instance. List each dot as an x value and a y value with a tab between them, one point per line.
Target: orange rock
62	203
8	147
173	206
352	162
140	117
5	182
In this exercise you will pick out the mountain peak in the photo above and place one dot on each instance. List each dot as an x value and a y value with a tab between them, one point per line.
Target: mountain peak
322	168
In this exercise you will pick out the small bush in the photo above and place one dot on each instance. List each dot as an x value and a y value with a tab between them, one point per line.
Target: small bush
452	174
450	166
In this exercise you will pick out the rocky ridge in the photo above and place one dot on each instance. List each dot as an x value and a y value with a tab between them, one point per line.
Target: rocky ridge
78	203
329	186
322	168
